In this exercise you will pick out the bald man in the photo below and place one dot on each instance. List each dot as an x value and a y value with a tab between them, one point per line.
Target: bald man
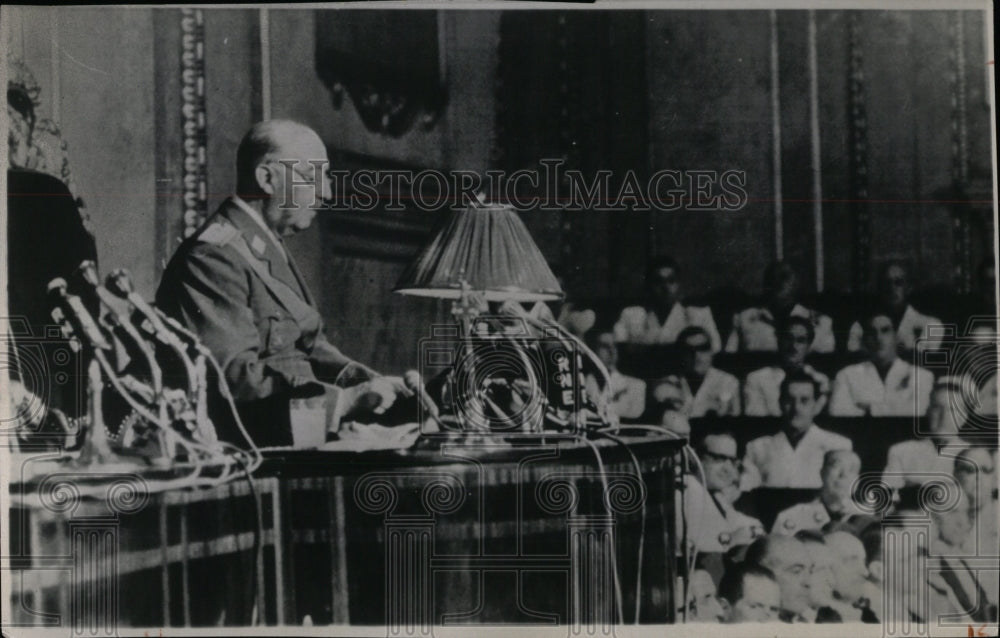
235	285
835	503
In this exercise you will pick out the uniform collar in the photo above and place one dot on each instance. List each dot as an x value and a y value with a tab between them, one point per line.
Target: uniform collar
253	214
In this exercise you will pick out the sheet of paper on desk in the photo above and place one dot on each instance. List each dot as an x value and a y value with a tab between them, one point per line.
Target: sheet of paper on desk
361	437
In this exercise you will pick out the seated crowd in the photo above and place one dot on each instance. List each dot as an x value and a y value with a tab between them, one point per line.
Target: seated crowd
815	552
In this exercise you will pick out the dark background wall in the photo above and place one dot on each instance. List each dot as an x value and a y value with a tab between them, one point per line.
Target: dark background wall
902	114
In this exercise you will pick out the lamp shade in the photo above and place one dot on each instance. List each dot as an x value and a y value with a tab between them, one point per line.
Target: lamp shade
488	248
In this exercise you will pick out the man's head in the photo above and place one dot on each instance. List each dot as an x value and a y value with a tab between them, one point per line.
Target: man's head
702	603
786	558
799	400
284	165
880	338
781	284
695	349
893	284
795	335
718	454
663	283
946	412
975	472
820	561
751	593
839	472
849	569
602	342
953	526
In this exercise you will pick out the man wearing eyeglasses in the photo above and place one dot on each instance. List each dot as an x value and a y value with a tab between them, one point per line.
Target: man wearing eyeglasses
714	525
235	285
700	389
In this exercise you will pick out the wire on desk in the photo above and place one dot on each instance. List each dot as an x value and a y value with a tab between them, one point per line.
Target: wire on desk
614	561
258	556
642	524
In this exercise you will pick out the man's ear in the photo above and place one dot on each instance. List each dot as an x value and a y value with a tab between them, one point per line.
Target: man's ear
265	179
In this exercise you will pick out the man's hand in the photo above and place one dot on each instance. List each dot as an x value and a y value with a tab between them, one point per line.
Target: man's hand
377	396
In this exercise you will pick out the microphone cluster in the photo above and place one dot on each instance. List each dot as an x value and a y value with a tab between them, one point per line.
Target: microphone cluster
147	378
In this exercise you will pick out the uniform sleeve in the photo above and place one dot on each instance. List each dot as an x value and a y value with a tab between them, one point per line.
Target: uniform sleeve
925	383
824	340
892	475
333	366
707	322
754	401
751	478
733	407
841	402
926	341
209	294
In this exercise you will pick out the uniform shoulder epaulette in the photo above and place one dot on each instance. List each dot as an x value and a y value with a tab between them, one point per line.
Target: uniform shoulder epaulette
218	234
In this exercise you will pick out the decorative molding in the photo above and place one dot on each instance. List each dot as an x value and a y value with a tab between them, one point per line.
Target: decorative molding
961	229
816	157
195	174
858	126
776	185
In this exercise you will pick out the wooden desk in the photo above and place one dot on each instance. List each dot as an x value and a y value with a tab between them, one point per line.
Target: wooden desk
472	531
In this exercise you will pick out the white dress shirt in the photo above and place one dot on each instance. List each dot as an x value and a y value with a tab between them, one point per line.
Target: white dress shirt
762	390
713	524
639	325
918	461
771	461
913	333
719	393
628	394
753	330
811	515
858	390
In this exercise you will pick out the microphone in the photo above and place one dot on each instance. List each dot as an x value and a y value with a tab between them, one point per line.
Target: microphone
77	315
411	379
120	283
87	272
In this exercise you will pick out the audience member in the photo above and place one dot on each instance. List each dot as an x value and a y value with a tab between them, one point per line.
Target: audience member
762	387
702	603
713	523
834	503
962	587
627	395
792	457
786	558
699	389
912	328
663	317
753	328
819	570
852	598
926	458
577	319
751	594
885	384
975	471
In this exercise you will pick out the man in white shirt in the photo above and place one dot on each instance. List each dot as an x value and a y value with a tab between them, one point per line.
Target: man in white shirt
913	329
627	395
699	389
762	388
885	385
927	458
840	470
664	317
790	458
754	328
714	525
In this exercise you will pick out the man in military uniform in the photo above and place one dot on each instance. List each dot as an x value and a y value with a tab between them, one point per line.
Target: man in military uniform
840	470
234	284
913	329
714	524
